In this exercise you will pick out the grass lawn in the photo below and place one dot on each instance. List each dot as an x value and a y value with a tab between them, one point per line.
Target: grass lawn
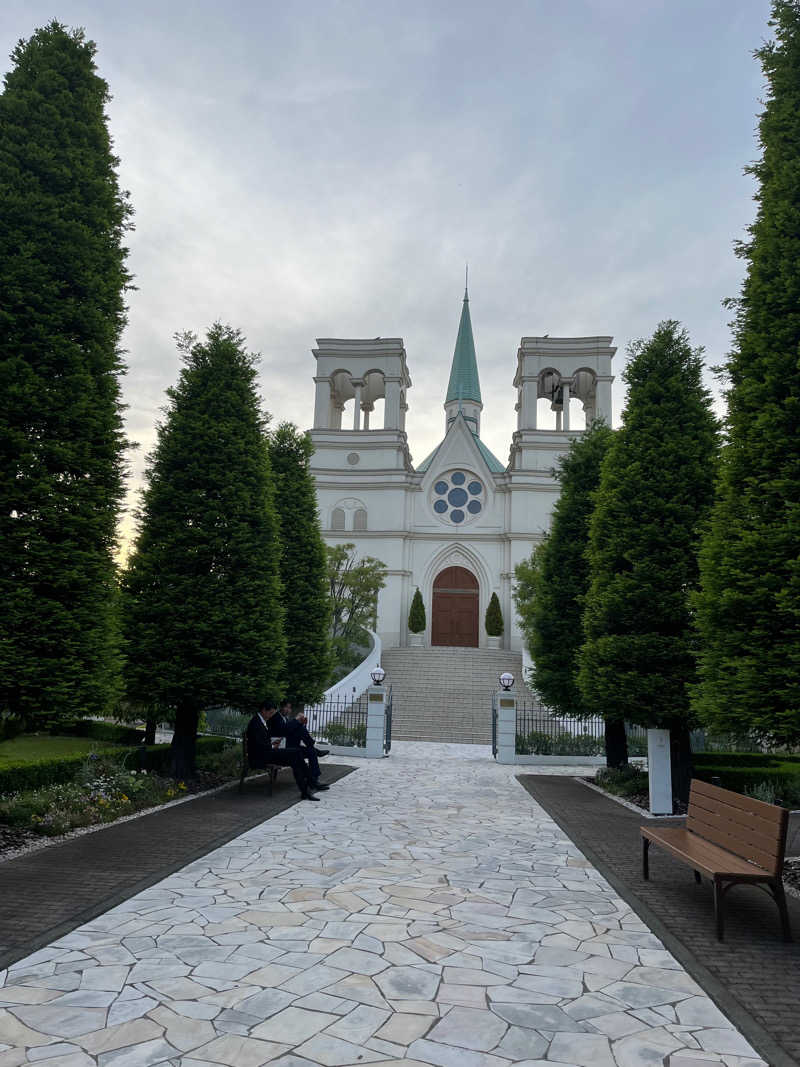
27	748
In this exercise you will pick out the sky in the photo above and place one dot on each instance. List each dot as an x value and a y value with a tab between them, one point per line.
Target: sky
326	168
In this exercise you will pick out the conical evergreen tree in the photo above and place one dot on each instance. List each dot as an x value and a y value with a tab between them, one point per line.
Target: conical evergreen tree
416	614
304	567
493	621
749	607
62	279
551	587
202	598
655	494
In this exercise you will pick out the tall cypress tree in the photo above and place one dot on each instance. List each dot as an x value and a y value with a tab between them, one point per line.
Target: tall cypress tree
202	601
655	494
304	566
62	279
749	607
551	587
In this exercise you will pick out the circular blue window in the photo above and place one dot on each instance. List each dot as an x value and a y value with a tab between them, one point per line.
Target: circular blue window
457	497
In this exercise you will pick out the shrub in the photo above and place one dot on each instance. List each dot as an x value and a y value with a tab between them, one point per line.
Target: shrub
494	618
339	733
104	731
416	616
540	743
622	781
10	725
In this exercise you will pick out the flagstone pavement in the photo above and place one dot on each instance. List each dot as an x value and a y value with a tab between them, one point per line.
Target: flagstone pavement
426	911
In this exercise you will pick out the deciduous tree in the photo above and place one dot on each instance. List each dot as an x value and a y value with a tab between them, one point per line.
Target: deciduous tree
202	598
62	282
749	607
353	585
655	494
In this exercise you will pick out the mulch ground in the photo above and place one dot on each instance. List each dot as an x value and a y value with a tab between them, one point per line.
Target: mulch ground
753	975
46	893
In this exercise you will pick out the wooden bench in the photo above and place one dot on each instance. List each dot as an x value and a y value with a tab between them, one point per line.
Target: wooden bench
271	770
731	839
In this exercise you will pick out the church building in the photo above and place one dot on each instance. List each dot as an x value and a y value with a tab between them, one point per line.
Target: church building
456	524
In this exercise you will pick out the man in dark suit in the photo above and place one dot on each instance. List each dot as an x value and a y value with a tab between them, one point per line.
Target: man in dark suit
297	735
264	733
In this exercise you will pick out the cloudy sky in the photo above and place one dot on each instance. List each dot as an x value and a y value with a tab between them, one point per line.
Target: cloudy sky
325	168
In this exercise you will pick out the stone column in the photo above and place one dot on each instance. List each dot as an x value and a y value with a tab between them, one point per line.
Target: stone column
366	408
506	704
357	384
529	404
376	711
603	400
335	421
392	419
565	419
322	403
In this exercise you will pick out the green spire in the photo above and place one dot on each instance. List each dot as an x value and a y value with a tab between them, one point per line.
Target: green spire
464	382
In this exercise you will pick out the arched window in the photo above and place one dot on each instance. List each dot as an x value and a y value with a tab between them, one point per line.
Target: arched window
360	519
337	519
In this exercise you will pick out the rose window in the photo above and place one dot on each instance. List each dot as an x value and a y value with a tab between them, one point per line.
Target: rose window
458	497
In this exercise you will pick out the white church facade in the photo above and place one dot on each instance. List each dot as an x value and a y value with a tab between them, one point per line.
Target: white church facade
456	524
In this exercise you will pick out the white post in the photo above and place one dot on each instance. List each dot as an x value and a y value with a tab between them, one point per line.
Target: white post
376	710
506	703
565	402
659	771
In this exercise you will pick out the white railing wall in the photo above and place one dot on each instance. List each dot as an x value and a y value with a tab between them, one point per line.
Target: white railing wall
353	684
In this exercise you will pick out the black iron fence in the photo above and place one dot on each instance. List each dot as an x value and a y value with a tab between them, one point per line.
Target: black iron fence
387	724
539	733
339	722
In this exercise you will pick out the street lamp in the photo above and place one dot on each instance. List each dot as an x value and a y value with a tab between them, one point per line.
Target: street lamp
378	675
506	680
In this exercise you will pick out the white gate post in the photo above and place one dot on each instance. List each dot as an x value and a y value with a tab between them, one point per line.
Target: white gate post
506	704
659	770
376	711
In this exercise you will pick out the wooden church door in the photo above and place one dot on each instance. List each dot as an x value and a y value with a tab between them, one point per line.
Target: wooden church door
455	608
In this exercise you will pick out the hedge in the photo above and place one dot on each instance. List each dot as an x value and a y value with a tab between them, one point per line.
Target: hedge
743	759
116	733
783	775
22	777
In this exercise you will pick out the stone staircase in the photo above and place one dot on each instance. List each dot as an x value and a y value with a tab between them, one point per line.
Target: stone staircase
445	694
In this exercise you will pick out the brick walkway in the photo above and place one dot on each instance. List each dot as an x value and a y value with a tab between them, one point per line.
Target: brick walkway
753	975
45	894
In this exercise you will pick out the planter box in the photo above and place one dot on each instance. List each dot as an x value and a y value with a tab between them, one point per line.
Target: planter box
416	640
493	642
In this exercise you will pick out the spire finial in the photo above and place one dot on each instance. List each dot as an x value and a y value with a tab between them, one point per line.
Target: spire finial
466	281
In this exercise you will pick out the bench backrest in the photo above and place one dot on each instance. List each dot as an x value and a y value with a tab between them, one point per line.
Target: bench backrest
751	829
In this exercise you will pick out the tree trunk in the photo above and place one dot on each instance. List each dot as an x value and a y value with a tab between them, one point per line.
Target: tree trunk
184	741
616	743
680	752
150	731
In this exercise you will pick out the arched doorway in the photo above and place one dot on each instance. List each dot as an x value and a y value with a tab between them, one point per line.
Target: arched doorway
455	608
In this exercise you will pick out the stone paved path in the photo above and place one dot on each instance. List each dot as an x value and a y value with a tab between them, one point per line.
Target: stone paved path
427	911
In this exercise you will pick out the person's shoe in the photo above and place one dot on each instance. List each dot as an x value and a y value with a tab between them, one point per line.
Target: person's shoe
316	786
320	752
309	796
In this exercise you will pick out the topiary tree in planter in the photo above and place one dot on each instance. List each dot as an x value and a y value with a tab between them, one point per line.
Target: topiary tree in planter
494	621
416	617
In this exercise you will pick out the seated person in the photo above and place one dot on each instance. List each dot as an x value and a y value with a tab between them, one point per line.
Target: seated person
297	735
264	733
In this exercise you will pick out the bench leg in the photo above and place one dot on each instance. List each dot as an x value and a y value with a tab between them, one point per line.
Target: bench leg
697	877
645	858
718	909
783	911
